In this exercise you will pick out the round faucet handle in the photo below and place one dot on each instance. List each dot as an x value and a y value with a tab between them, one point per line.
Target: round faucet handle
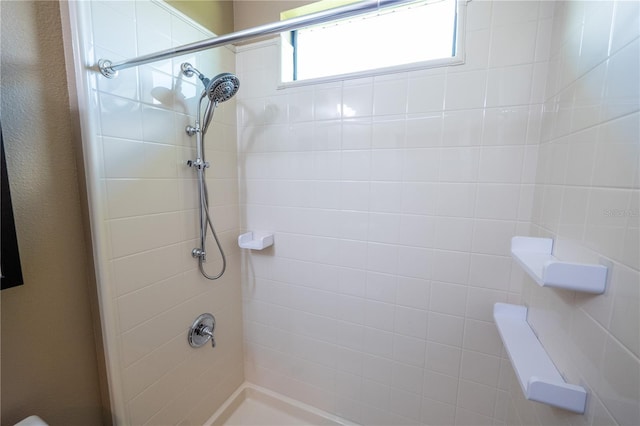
202	331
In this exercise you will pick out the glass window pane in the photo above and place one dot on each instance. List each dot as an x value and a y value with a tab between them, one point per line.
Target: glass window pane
412	33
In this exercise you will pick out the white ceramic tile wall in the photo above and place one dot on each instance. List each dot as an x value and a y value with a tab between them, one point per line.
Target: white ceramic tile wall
393	200
586	198
145	217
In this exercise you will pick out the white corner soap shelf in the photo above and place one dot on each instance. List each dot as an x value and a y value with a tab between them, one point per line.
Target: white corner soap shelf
539	379
255	240
534	255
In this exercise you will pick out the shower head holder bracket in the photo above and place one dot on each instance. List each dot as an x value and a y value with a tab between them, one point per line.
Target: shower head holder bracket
198	164
187	69
191	130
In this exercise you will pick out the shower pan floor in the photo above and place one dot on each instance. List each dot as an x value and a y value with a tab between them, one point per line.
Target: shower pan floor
251	405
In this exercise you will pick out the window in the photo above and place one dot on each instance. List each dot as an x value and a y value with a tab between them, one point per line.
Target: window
417	34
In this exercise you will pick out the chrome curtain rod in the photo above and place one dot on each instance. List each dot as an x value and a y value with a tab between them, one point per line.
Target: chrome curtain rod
110	70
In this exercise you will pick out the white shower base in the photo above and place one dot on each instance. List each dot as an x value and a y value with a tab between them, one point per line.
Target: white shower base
252	405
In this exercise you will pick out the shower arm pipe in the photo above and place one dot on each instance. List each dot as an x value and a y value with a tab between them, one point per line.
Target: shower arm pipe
110	69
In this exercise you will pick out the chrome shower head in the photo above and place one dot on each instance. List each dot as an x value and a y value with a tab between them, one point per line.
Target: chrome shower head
222	87
219	89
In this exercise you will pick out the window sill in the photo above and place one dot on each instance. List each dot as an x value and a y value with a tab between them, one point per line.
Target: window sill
416	66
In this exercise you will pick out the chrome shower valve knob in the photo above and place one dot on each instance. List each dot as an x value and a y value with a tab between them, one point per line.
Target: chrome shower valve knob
202	331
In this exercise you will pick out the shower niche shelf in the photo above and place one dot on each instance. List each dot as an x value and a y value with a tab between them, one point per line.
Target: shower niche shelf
255	240
534	256
538	377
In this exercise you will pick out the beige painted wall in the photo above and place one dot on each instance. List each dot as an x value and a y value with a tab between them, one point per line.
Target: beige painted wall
215	15
48	351
251	13
225	16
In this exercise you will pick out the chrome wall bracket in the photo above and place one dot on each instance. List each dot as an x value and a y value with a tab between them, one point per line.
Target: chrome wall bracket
198	164
199	253
191	130
187	69
106	68
202	331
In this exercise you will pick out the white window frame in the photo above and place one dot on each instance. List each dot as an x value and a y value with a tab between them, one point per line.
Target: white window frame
286	59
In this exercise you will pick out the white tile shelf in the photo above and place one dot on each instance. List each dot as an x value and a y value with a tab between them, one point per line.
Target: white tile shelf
255	240
539	379
534	255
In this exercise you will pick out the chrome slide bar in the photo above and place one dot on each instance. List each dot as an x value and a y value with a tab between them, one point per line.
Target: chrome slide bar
110	70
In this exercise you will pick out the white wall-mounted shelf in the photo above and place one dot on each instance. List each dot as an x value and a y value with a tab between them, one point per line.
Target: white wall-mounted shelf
539	379
255	240
534	255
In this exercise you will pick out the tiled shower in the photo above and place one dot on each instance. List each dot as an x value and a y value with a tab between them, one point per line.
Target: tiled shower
392	199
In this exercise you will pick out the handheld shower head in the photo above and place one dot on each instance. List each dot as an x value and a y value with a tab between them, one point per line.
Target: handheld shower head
219	89
222	87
